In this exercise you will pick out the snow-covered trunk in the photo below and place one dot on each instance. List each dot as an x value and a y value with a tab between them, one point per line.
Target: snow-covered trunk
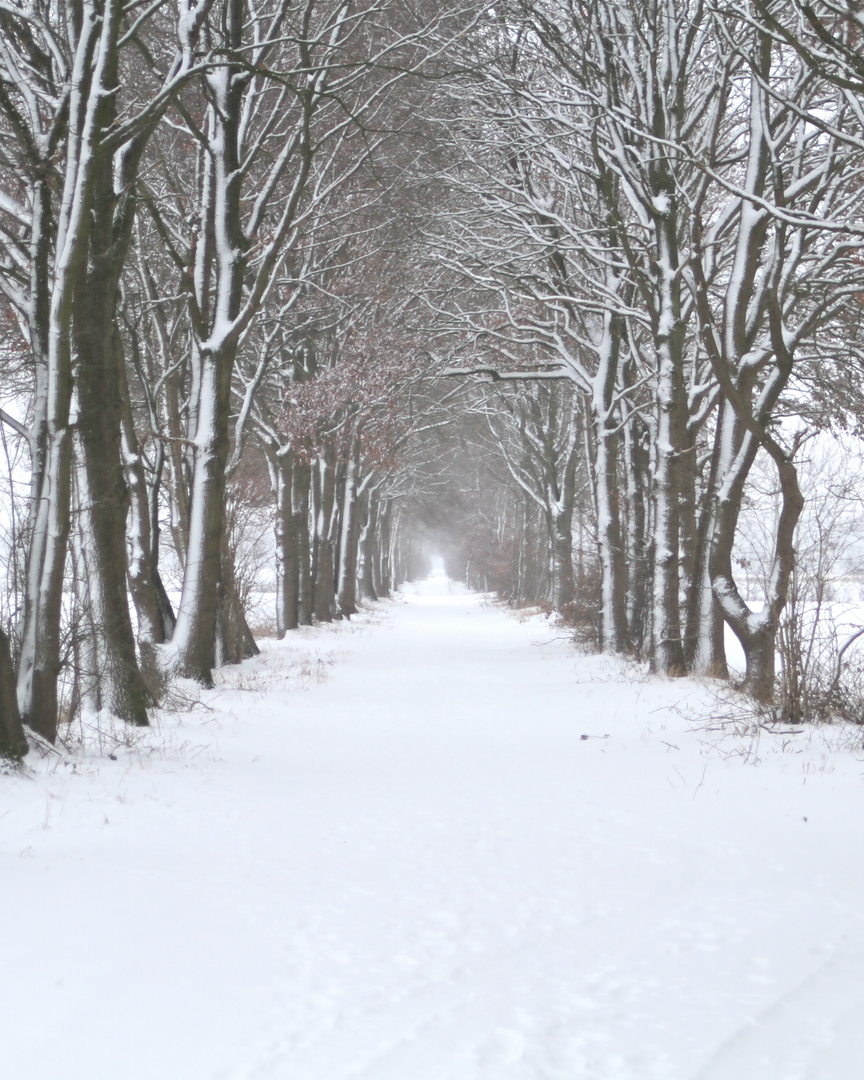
100	382
705	618
301	482
287	565
383	562
123	690
283	517
605	451
85	606
347	578
667	646
100	411
213	358
361	527
519	528
375	550
637	460
152	604
397	561
366	543
759	651
706	652
38	327
46	557
563	589
293	590
13	744
737	444
613	589
178	487
668	652
324	584
726	346
314	528
531	559
40	640
688	525
234	640
756	631
195	634
560	496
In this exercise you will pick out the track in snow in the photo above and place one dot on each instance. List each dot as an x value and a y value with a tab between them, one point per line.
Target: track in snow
417	868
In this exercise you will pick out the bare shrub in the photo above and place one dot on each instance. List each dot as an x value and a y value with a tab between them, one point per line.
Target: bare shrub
583	613
820	674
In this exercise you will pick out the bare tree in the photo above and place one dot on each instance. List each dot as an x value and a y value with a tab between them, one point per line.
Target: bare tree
60	91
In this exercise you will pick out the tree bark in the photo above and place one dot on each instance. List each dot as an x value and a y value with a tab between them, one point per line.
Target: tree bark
13	743
667	645
705	651
156	618
287	548
756	631
385	544
46	559
324	585
300	491
235	641
100	403
367	541
195	636
637	570
613	588
221	256
347	579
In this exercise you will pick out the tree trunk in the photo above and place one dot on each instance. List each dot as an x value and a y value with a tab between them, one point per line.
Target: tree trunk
287	551
50	315
220	267
86	688
756	631
324	589
361	514
667	645
705	652
563	590
124	691
760	653
613	589
195	635
668	652
234	640
347	582
367	540
179	468
300	490
13	743
152	604
385	545
637	570
46	558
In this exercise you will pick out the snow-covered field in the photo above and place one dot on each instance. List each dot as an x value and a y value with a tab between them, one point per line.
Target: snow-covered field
436	844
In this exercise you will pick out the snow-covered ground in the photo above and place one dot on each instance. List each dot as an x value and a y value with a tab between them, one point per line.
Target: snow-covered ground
436	844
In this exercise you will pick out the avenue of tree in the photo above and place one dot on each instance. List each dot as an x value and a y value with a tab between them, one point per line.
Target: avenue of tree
547	283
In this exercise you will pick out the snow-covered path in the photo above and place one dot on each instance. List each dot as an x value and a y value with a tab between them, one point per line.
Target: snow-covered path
417	867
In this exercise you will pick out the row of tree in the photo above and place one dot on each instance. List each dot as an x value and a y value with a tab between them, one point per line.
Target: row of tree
178	178
660	205
588	261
